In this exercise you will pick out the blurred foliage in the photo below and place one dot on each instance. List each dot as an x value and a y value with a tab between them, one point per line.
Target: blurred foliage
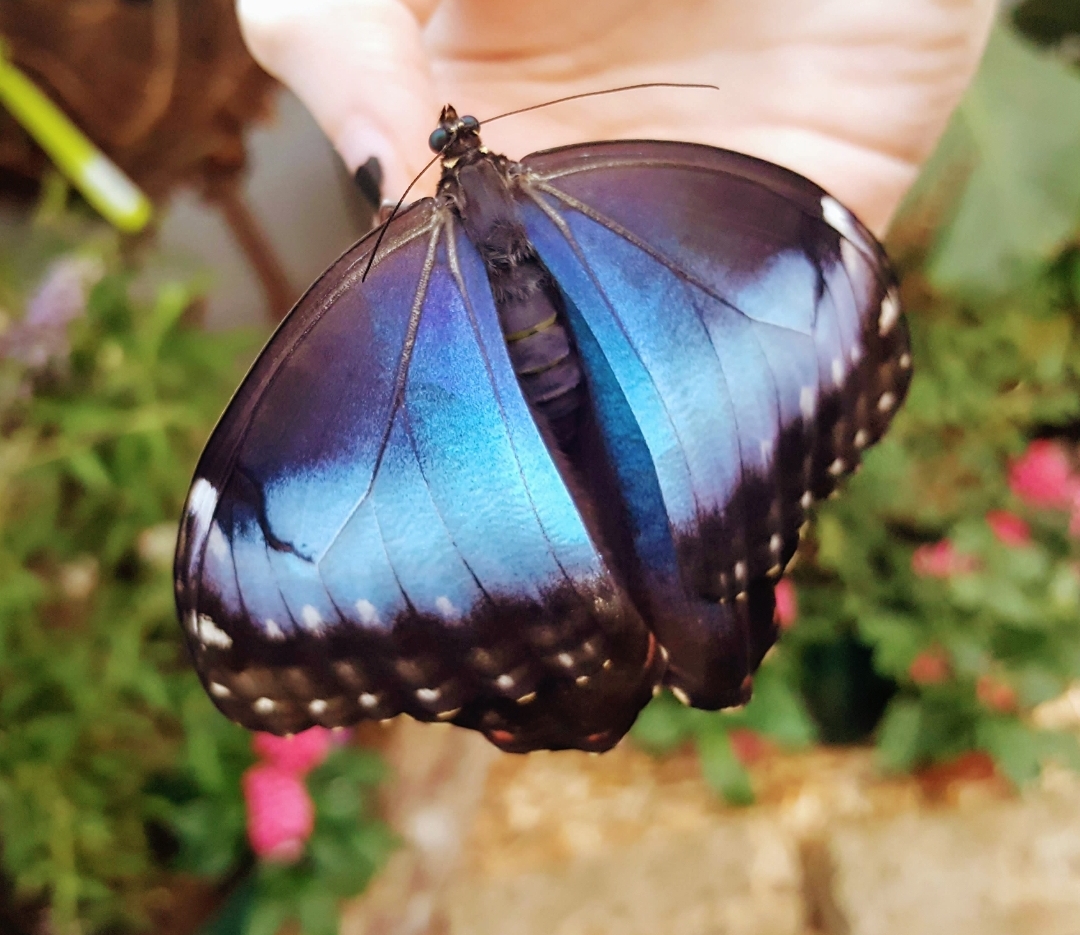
990	266
115	769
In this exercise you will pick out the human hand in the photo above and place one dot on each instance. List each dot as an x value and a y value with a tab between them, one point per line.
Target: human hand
852	94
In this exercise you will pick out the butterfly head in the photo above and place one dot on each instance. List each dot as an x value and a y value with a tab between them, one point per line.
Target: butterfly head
454	135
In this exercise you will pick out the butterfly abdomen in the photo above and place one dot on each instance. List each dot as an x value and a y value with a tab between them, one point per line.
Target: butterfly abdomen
528	302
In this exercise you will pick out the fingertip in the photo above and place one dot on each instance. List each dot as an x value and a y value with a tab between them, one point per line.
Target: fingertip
360	67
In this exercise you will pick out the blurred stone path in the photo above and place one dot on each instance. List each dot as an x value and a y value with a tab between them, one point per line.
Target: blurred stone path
622	844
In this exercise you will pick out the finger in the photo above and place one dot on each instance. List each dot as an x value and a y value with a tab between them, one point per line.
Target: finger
360	68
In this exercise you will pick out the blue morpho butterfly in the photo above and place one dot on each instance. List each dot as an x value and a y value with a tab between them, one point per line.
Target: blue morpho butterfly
544	449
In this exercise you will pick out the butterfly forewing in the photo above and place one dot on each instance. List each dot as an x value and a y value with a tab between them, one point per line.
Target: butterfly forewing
388	532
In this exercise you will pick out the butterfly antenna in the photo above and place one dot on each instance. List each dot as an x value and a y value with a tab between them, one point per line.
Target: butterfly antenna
393	214
577	97
511	113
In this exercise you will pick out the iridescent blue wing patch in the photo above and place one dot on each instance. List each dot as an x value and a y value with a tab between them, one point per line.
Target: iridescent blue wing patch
377	527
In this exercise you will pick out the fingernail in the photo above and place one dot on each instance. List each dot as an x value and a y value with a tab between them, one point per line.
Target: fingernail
369	179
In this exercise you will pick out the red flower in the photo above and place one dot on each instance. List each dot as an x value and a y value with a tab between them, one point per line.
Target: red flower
297	753
1008	528
941	560
996	695
1042	476
787	604
930	667
280	814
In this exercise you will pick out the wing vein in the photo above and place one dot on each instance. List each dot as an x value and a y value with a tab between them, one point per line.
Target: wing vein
404	361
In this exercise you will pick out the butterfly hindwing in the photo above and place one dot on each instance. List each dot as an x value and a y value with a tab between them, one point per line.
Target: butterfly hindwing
747	323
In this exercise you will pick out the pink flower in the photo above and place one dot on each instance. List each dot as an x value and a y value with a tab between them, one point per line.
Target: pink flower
1042	476
930	667
941	560
297	753
280	814
996	695
1008	528
787	604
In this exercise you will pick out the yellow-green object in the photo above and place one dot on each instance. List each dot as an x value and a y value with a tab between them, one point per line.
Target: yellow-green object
103	184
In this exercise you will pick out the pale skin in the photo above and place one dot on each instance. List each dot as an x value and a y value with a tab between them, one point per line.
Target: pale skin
853	94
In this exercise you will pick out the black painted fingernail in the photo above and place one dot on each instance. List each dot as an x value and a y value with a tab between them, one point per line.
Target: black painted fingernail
368	179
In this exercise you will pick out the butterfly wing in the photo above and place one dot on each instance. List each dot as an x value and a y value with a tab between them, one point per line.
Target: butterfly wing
376	525
742	341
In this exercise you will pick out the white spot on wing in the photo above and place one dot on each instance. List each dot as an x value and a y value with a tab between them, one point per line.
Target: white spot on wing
445	607
766	450
861	438
202	501
272	630
837	371
807	401
317	706
740	571
311	619
219	691
841	220
890	312
368	700
680	694
263	705
428	694
886	402
210	634
566	659
505	681
369	616
774	543
905	360
837	467
217	543
806	499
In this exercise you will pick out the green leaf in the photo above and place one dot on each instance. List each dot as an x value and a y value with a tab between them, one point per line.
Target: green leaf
898	735
1014	747
895	639
267	917
722	769
1021	123
662	726
319	914
776	708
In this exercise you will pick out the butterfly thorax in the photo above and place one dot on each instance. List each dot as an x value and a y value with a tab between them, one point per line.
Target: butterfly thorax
477	187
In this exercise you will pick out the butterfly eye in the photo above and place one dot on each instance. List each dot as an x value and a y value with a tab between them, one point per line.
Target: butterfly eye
439	139
470	123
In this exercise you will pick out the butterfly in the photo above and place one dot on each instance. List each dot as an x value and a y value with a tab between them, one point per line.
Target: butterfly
540	446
